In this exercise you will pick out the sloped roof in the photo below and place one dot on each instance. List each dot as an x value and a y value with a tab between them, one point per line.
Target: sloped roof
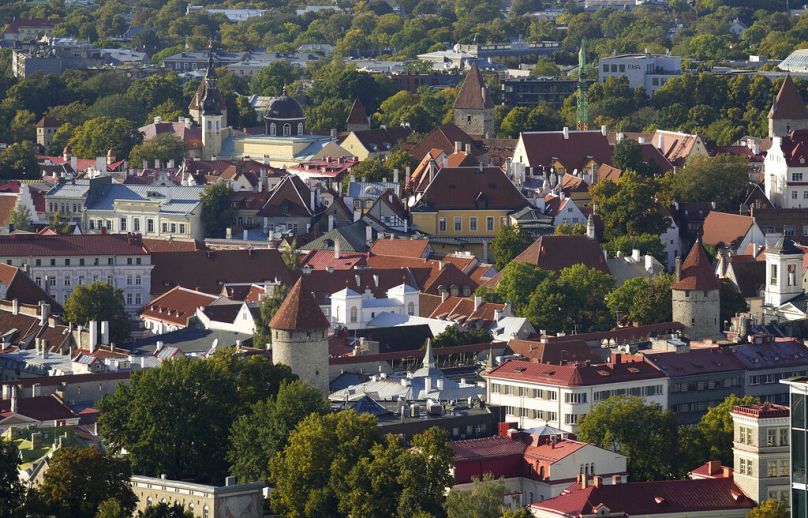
41	408
558	252
290	198
416	248
176	306
544	148
697	273
473	94
788	103
461	188
19	286
381	139
299	312
47	122
357	115
554	352
723	228
575	375
24	245
443	138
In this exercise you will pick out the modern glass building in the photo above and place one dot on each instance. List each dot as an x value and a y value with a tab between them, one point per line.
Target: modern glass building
799	437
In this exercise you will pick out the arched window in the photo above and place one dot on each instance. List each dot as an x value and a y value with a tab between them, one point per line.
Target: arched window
454	290
353	314
411	308
287	129
273	129
299	128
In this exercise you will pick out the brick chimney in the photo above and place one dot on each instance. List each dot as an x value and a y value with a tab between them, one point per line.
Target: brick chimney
597	481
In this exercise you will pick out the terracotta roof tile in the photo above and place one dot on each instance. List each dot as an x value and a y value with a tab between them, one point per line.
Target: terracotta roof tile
558	252
299	312
725	229
575	375
554	352
544	148
176	306
697	273
788	103
460	188
413	248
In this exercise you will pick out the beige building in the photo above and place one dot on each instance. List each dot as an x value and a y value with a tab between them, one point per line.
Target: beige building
229	501
760	450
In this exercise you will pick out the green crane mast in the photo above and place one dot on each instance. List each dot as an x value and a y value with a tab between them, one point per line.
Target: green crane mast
582	94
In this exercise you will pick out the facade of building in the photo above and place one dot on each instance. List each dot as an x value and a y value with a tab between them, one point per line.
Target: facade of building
59	263
798	389
203	501
649	71
529	91
760	451
537	394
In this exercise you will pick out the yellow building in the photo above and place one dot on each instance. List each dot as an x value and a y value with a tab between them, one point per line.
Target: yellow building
370	143
464	207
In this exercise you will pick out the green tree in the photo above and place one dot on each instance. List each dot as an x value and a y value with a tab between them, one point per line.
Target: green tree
311	485
612	424
732	302
21	218
567	229
508	243
111	508
484	500
172	420
118	106
268	307
217	213
628	207
642	300
720	178
154	90
456	335
289	256
515	122
163	147
771	508
425	473
716	428
373	481
516	284
628	156
61	137
78	480
649	244
255	376
11	491
163	510
168	110
23	126
257	436
95	136
572	300
19	161
522	512
98	301
271	80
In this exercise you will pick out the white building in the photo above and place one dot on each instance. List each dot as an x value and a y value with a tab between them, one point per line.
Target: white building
536	394
784	298
354	311
59	263
649	71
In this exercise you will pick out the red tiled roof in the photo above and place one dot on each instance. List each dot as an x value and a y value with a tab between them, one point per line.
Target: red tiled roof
7	204
649	498
443	138
299	312
472	94
558	252
324	259
711	469
575	375
762	410
23	245
415	248
15	25
697	273
466	188
19	286
47	122
795	148
357	115
788	103
554	352
41	408
176	306
290	198
725	229
544	148
156	245
553	452
487	448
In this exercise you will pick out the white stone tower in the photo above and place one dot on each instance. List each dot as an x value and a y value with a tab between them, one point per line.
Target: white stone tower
695	295
300	338
783	273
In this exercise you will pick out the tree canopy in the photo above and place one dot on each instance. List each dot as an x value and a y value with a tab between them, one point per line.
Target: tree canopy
217	213
11	490
720	179
508	243
98	301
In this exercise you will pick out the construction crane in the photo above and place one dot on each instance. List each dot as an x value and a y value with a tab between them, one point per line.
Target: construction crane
582	94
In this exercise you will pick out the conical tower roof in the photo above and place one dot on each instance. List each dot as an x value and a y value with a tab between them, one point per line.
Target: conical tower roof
299	312
473	94
788	103
697	272
357	115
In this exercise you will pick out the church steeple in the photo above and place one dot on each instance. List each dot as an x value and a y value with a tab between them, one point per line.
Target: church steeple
207	97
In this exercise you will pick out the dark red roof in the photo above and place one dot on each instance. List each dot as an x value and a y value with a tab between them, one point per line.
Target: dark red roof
467	188
697	273
554	352
47	122
558	252
299	312
544	148
176	306
472	94
416	248
41	408
443	138
43	23
24	245
649	498
357	114
788	103
487	448
762	410
19	286
795	148
575	375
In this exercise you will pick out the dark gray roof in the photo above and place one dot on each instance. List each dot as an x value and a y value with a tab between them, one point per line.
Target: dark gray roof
189	340
350	237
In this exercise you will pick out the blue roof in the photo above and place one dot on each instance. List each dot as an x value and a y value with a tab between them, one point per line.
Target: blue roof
172	199
367	405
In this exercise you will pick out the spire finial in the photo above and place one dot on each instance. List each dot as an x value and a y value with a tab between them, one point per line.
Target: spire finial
210	54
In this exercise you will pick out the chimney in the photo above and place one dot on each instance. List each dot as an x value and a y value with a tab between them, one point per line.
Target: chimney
159	346
678	268
566	131
337	249
246	235
6	392
35	390
369	234
330	222
312	201
105	332
407	173
635	255
659	141
395	176
14	401
44	313
15	307
230	481
603	130
596	480
615	479
583	481
714	467
443	295
228	233
468	148
93	336
458	146
477	302
649	263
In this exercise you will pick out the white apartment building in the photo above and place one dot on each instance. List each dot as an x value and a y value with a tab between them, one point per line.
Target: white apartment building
649	71
786	171
537	394
353	310
59	263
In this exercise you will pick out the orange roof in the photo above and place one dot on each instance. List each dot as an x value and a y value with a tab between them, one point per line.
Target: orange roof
299	312
697	272
414	248
177	305
723	228
7	204
553	452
